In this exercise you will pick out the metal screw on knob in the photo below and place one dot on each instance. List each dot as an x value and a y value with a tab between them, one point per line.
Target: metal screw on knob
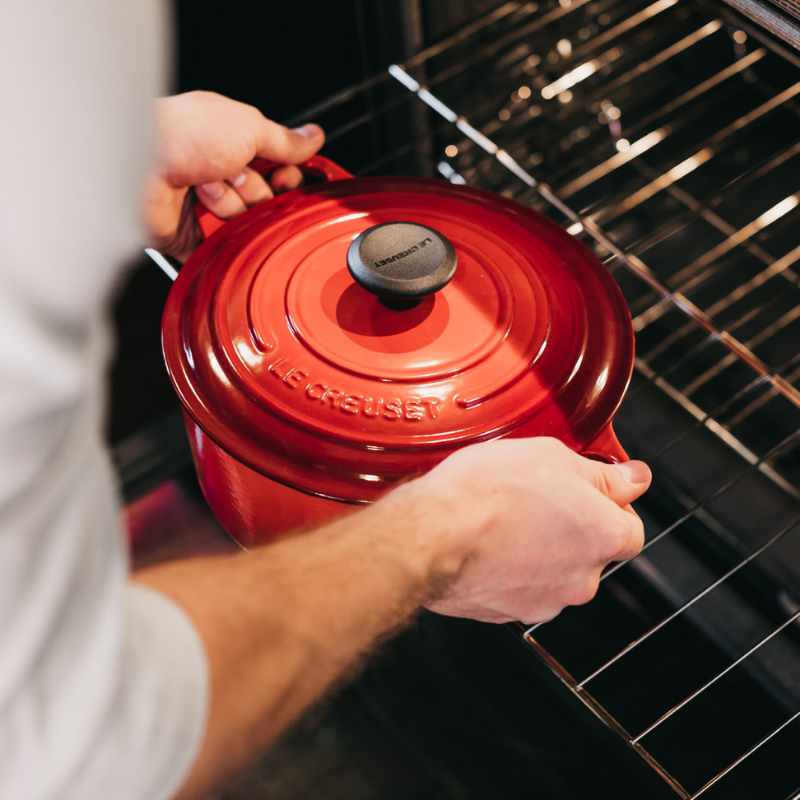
401	262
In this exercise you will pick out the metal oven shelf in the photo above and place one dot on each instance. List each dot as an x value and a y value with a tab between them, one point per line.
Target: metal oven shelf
666	136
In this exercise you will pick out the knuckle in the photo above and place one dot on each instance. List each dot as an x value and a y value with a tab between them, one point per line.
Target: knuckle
610	479
584	591
540	613
623	531
636	541
626	537
609	542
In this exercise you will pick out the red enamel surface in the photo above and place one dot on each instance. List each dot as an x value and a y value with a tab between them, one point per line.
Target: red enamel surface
297	373
250	506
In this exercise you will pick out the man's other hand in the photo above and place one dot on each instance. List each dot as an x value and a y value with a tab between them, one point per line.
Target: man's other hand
531	527
205	141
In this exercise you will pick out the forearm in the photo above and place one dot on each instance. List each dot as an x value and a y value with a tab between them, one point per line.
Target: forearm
282	624
285	622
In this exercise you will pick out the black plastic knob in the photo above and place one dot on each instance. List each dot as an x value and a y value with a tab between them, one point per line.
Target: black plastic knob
401	262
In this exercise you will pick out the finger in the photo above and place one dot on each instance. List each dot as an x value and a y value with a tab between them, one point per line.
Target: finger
162	207
170	219
623	483
220	199
630	537
284	179
288	146
251	187
188	236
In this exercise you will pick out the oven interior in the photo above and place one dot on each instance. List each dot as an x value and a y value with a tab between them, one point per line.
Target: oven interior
665	136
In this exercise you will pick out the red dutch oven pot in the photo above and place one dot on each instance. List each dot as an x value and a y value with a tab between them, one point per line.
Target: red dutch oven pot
345	336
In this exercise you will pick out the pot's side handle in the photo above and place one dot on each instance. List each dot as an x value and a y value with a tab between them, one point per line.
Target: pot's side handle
318	166
606	447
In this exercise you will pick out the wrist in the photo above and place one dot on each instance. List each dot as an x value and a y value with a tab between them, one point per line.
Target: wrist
440	529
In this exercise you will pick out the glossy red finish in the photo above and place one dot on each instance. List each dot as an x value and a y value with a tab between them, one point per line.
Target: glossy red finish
295	376
250	506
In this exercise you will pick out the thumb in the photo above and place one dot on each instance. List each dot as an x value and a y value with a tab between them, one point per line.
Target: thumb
623	483
287	145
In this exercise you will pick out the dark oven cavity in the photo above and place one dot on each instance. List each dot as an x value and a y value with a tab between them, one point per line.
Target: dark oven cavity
665	135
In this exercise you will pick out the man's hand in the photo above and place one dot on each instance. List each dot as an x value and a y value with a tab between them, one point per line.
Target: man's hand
205	141
534	525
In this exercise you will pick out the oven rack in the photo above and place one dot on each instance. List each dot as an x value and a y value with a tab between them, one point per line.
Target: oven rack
669	136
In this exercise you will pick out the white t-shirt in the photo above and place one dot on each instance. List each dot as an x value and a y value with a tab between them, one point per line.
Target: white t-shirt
103	687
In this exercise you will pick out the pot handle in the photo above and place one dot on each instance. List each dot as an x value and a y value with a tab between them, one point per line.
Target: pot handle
606	447
318	166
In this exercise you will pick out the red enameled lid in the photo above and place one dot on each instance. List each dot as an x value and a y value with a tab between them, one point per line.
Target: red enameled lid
297	371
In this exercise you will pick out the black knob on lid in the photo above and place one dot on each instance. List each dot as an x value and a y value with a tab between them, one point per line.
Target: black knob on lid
401	262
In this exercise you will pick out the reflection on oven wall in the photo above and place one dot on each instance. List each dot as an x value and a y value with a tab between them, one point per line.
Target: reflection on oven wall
667	134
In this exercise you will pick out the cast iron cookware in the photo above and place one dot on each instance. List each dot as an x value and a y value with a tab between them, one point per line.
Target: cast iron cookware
344	336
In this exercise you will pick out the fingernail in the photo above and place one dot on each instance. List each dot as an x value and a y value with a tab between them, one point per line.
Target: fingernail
634	471
238	180
212	190
309	131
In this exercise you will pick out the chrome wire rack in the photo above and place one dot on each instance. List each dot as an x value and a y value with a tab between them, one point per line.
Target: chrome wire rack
666	136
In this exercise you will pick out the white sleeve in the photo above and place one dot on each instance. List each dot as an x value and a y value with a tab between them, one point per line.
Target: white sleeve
103	687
